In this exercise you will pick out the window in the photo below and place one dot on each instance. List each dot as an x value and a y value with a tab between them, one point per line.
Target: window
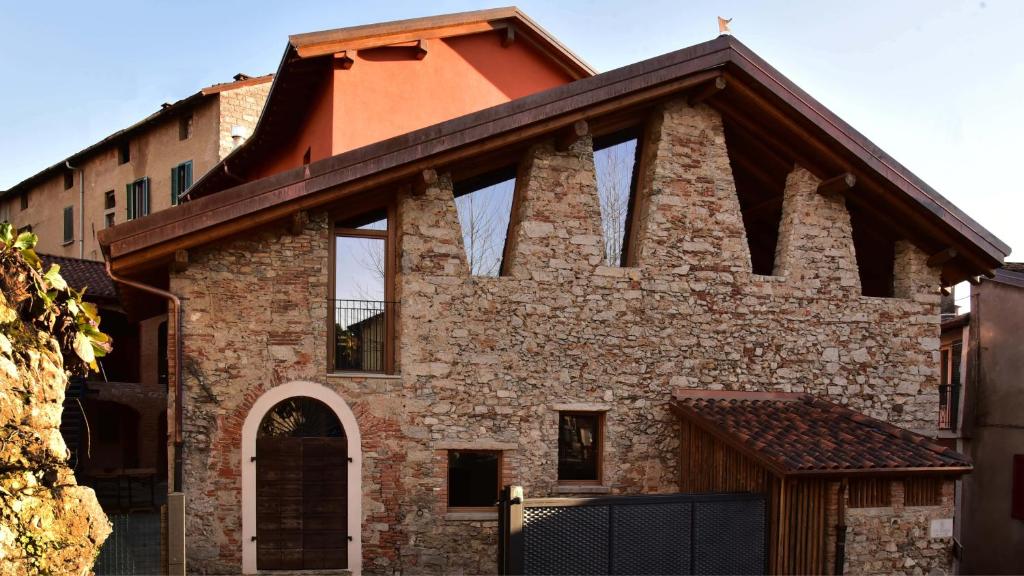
875	249
484	204
138	198
25	228
363	324
949	385
108	219
181	179
69	179
474	479
870	493
185	127
1017	496
69	224
922	491
109	200
615	165
124	152
24	201
580	444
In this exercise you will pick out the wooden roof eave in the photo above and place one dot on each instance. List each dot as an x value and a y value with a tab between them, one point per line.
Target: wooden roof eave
479	133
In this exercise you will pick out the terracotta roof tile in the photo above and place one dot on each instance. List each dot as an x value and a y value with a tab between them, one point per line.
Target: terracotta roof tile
81	274
798	433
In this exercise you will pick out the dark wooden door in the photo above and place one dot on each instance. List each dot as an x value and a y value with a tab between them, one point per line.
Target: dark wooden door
301	503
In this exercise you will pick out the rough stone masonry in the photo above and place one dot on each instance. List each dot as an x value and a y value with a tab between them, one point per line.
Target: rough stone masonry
488	362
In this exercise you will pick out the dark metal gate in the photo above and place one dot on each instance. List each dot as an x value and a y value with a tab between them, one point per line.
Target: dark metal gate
663	534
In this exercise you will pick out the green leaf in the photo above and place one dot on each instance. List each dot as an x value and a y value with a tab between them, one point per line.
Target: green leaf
26	240
6	233
83	347
54	278
30	256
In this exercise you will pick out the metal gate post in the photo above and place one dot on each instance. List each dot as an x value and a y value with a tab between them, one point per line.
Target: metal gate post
510	531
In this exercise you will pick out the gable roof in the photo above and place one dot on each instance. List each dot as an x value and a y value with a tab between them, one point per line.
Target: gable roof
297	75
824	143
80	274
166	110
796	434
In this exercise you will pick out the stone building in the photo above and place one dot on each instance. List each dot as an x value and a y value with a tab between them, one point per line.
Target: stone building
765	246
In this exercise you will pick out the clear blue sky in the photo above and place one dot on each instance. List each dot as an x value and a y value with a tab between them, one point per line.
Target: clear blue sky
939	84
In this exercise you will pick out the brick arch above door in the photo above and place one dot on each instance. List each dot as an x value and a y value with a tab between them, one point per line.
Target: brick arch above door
259	409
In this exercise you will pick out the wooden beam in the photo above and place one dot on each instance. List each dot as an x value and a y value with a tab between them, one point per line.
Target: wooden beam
509	36
425	179
342	61
708	91
941	257
837	185
421	48
298	222
571	135
180	261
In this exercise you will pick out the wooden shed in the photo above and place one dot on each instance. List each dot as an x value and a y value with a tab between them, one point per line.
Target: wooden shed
813	460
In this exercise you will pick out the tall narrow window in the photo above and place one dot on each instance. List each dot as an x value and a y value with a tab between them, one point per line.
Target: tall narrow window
181	179
185	127
24	201
138	198
875	249
69	179
615	165
484	204
124	152
474	479
69	224
363	311
580	446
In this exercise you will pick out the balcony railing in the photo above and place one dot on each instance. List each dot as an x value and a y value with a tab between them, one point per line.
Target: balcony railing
362	330
949	406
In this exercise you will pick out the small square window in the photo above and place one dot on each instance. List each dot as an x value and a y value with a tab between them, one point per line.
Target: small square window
869	493
580	444
108	219
474	478
185	127
922	491
109	200
24	201
124	152
69	179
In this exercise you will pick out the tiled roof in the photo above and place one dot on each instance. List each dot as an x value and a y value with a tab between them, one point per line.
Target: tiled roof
80	274
798	433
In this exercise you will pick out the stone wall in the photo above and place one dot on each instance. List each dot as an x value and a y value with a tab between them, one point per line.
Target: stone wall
239	107
488	362
898	539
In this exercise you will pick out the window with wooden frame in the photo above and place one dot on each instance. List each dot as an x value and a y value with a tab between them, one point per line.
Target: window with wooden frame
918	491
870	493
580	447
617	167
362	324
69	179
124	152
949	386
484	204
138	198
474	480
185	127
181	180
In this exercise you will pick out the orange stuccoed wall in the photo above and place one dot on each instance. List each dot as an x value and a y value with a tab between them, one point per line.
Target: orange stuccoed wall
387	92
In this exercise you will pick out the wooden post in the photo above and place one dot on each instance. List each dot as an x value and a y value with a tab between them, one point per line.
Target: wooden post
298	222
342	61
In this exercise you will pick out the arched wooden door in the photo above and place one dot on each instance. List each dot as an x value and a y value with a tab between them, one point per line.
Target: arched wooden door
301	488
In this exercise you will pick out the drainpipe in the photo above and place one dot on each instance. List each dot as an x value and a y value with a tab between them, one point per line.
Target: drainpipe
175	316
81	208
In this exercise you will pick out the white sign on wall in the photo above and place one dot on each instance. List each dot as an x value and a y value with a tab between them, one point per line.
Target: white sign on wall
941	528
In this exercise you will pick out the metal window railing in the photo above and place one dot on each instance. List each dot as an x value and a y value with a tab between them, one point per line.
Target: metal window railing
949	406
361	329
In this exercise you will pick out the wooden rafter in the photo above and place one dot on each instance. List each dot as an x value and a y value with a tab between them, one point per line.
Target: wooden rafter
571	135
837	185
708	91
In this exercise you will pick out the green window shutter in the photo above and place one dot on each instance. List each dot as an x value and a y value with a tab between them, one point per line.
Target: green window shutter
130	202
145	196
174	186
188	176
